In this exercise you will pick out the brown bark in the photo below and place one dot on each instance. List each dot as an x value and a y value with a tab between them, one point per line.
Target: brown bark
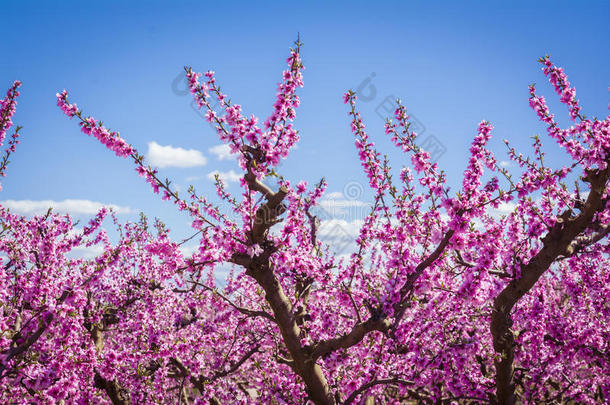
352	338
558	241
302	362
117	395
259	268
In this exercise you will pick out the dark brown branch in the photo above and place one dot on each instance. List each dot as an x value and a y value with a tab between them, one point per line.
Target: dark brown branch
117	395
256	185
408	286
245	311
583	241
15	351
593	350
555	243
259	268
350	339
266	215
302	363
372	383
351	298
33	338
236	365
200	381
460	260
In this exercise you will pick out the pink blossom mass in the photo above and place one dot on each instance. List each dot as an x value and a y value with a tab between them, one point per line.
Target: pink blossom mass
443	301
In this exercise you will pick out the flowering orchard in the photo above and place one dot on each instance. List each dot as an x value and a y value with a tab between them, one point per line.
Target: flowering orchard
443	300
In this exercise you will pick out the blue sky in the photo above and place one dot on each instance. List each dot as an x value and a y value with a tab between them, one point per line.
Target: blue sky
452	63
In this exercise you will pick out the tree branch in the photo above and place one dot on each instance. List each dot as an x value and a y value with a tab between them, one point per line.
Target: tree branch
372	383
555	243
350	339
115	393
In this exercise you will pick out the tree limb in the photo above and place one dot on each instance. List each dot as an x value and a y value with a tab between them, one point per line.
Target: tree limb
555	243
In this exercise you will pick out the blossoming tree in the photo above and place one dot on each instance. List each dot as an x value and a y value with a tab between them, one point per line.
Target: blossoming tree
443	301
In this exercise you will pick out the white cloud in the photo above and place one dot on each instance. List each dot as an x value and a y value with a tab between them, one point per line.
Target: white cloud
226	177
86	252
504	208
335	204
222	152
73	207
340	234
187	251
334	195
168	156
505	163
340	228
193	178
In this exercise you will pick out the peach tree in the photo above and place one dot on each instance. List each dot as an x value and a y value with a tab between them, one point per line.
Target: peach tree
442	301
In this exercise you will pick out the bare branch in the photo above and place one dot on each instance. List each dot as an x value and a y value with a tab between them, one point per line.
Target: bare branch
245	311
372	383
117	395
352	338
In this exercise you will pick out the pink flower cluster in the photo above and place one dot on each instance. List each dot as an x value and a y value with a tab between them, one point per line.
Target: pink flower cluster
366	150
7	109
559	80
409	315
243	134
588	140
90	126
